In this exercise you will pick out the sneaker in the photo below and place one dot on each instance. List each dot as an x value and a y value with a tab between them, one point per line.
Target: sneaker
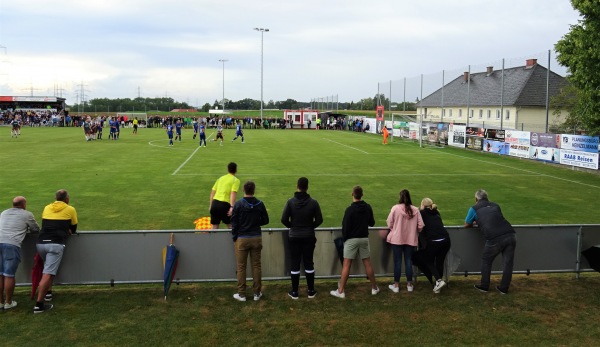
410	287
481	288
374	291
8	306
42	309
257	296
238	297
293	295
337	294
243	142
503	292
438	285
393	288
48	297
312	294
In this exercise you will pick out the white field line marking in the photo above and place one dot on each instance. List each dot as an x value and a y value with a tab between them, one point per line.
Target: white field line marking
163	146
185	162
525	170
341	144
372	175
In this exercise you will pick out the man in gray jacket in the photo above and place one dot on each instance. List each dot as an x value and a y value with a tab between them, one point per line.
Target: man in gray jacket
14	224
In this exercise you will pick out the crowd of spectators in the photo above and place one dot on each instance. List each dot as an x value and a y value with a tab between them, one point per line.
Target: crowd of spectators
32	118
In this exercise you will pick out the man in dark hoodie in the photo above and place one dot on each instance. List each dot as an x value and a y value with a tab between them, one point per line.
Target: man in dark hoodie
302	214
355	232
59	220
248	215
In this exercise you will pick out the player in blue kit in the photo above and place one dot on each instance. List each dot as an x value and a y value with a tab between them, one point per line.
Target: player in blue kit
202	135
170	133
112	135
238	132
16	127
195	124
178	127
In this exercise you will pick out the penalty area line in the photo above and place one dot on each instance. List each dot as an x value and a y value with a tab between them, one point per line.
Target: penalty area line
341	144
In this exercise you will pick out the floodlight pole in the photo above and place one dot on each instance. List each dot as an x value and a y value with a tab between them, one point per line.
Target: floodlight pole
223	61
262	31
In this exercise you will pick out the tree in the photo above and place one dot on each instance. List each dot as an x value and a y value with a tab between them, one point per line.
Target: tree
579	51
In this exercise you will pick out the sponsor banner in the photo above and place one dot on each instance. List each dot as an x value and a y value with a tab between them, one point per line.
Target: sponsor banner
475	143
372	125
457	135
6	98
545	154
498	147
518	137
518	150
413	130
34	99
494	134
577	158
474	131
545	140
579	143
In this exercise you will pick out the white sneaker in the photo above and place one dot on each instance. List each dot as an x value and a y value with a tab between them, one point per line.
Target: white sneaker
8	306
337	294
438	285
374	291
238	297
393	288
257	296
410	287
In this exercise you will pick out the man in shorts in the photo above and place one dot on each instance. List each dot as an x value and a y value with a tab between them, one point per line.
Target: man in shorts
355	231
14	224
59	221
222	197
219	134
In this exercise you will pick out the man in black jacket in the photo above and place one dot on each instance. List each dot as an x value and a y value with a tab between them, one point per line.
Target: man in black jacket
302	214
499	238
355	232
248	215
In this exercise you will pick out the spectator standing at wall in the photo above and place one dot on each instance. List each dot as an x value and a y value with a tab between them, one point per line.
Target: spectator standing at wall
355	232
500	237
14	224
59	221
222	197
302	215
249	214
404	222
436	245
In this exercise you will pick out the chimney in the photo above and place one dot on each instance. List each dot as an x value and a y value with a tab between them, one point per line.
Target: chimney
466	76
529	63
489	70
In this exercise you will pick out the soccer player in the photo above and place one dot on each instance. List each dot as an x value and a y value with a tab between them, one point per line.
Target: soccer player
112	122
170	133
16	127
87	129
386	133
135	125
202	134
219	134
178	126
238	132
117	129
195	124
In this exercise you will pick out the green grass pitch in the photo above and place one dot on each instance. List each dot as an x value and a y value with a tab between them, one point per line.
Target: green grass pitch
140	183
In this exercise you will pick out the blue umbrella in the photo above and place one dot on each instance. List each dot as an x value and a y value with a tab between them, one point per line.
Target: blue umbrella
170	260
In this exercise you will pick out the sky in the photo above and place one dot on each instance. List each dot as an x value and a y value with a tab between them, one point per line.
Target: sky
345	50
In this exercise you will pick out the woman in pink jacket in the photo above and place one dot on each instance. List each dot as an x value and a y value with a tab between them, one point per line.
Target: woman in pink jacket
404	222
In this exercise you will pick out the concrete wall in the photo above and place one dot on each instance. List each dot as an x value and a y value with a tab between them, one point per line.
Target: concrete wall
136	256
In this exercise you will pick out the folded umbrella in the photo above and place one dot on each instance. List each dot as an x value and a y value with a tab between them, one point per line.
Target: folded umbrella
170	260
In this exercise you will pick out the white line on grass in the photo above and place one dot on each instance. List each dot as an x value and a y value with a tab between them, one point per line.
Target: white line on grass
371	175
185	162
341	144
525	170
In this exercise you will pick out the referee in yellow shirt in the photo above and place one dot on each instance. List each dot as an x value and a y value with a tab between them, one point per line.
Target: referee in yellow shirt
222	197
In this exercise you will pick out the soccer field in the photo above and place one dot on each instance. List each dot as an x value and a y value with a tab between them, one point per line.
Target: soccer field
140	183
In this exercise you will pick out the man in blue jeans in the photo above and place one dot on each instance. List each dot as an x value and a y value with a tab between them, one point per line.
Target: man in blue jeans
499	238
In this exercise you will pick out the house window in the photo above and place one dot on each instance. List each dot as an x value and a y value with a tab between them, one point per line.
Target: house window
489	114
507	114
497	114
480	114
443	112
472	113
460	113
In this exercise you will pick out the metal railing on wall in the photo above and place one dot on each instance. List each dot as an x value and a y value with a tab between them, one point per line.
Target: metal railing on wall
135	256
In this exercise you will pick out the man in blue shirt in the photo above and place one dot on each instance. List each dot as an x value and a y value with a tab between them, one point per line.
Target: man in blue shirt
195	124
178	127
499	238
238	132
170	133
202	134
